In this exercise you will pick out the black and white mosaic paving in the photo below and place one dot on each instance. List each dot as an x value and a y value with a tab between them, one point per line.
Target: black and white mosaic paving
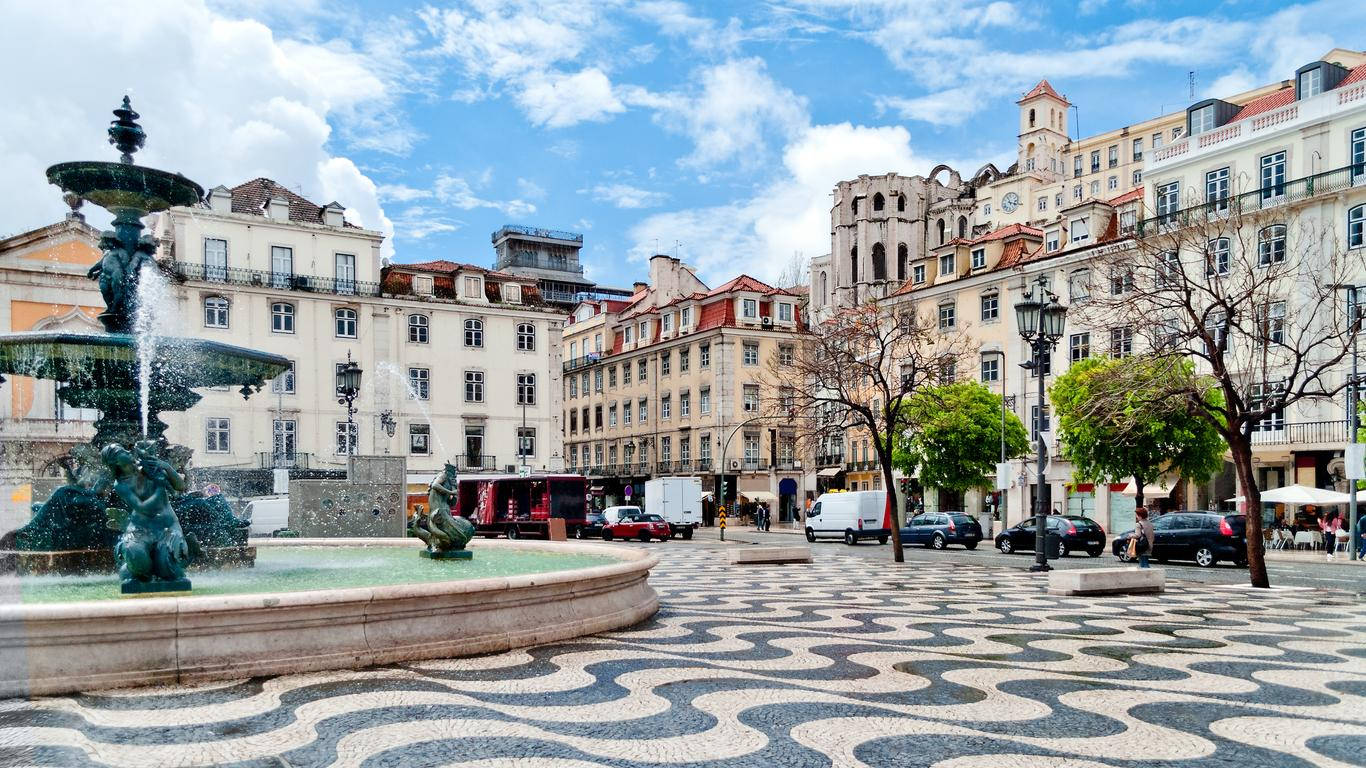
844	662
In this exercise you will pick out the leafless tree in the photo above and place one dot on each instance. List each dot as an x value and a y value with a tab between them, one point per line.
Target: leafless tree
1248	286
856	370
795	272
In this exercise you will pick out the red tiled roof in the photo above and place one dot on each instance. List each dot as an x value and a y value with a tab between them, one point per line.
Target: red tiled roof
1357	75
612	305
451	267
1134	194
743	283
252	196
1009	231
1043	89
716	314
1265	104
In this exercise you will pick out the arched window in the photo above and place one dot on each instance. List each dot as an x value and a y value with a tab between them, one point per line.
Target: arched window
215	312
346	323
1271	245
282	317
526	338
853	264
1031	118
902	257
940	226
879	262
878	201
901	202
825	284
853	206
1356	227
417	329
962	226
474	333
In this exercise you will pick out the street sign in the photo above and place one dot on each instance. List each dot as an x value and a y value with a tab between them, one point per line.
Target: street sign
1355	459
524	471
1003	476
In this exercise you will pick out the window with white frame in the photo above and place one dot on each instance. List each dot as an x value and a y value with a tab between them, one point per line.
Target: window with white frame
215	312
704	355
626	373
684	404
1157	140
1358	152
282	317
1095	161
1079	346
946	264
474	386
348	438
1273	322
1169	199
419	383
1080	231
1138	149
474	332
1202	119
1076	165
626	413
642	365
526	337
1076	192
684	359
1035	424
526	442
1268	395
784	312
629	336
417	329
643	331
419	441
474	287
612	415
1122	341
281	266
704	400
345	271
749	308
1113	155
423	285
1356	226
1217	189
918	274
1128	219
284	438
1311	83
991	368
597	380
1137	178
684	448
1271	245
1095	188
991	306
215	259
643	415
346	323
1273	175
785	354
1112	183
284	383
665	363
750	352
1042	203
979	258
751	398
526	389
666	405
1052	240
217	435
948	316
685	317
1219	255
512	293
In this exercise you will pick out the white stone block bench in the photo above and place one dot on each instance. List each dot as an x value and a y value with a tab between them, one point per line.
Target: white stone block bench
744	555
1106	581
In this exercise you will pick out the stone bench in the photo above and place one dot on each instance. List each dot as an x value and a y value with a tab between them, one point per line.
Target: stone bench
743	555
1106	581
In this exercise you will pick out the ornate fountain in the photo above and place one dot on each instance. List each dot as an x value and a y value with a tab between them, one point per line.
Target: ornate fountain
124	504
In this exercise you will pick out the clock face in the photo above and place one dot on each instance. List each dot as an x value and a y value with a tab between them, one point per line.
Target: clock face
1010	202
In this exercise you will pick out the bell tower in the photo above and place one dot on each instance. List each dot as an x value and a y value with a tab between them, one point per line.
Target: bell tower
1043	130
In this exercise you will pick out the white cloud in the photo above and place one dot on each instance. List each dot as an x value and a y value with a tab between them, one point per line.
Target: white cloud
759	234
223	101
625	195
530	189
557	100
457	192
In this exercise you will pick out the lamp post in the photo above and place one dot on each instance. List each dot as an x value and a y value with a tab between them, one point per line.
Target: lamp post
348	389
721	473
1001	373
1041	322
1353	317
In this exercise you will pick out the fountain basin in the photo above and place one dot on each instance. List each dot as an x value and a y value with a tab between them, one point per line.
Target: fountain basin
54	648
183	362
116	186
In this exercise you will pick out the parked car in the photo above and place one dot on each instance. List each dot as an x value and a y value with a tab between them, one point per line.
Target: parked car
592	526
613	514
1076	533
940	529
850	515
267	516
1205	537
643	526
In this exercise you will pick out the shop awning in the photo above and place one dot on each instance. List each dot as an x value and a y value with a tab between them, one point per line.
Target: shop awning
1158	490
828	472
757	496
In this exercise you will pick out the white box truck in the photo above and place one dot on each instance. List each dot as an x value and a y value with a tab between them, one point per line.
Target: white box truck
678	500
850	515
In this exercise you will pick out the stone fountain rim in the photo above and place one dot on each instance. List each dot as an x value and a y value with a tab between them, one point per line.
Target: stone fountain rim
129	340
629	561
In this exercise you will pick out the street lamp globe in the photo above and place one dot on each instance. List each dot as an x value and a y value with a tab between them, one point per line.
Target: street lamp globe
1027	315
1054	320
348	380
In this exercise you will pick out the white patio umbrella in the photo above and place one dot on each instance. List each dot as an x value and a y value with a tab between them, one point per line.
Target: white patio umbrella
1299	495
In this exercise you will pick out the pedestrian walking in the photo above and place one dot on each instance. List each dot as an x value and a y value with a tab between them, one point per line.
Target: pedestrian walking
1330	526
768	518
1144	536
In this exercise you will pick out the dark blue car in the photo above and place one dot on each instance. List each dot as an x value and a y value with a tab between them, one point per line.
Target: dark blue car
940	529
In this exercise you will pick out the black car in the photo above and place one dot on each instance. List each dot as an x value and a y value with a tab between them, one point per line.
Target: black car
1205	537
592	526
940	529
1075	533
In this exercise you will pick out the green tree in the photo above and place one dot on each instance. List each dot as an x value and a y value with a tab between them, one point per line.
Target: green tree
1113	430
953	440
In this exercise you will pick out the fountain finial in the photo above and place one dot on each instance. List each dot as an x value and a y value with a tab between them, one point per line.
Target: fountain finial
125	133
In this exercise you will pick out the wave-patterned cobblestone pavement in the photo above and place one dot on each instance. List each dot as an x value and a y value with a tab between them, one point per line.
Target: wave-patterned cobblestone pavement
844	662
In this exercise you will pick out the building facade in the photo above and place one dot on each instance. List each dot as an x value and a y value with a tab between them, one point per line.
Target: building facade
673	381
551	258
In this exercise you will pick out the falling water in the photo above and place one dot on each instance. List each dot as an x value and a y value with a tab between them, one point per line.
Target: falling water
396	372
155	313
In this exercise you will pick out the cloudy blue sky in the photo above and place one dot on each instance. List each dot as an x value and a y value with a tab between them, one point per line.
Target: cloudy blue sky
716	129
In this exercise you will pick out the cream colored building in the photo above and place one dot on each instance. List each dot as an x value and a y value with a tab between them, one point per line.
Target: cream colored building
666	382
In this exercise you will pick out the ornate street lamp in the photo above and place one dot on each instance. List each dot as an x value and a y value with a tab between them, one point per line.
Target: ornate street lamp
348	389
1042	322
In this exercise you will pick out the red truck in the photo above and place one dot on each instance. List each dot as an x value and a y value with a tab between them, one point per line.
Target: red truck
517	506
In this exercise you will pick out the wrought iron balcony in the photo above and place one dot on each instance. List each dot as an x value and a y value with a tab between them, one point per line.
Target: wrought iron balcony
664	467
830	460
551	234
1302	432
582	362
1258	199
281	281
704	465
476	462
284	460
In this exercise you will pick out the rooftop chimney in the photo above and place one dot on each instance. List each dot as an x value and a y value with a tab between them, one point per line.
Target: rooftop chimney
639	286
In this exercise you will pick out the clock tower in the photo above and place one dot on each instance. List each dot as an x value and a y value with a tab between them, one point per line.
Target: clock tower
1043	131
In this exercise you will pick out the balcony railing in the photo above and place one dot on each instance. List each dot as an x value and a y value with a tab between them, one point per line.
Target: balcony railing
682	467
284	460
552	234
861	466
1329	432
704	465
1259	199
581	362
476	462
282	281
562	297
664	467
830	460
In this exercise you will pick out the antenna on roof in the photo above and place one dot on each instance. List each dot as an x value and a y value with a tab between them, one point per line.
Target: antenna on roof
677	247
1190	76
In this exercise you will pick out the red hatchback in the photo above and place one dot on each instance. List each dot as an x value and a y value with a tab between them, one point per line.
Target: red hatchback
643	526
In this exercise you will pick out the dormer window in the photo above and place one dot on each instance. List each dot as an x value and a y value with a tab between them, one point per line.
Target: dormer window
979	258
474	288
1311	83
1081	231
1202	119
512	293
422	285
749	308
1313	79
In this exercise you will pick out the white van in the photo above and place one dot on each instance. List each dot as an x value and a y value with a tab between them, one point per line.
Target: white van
678	500
614	514
850	515
267	516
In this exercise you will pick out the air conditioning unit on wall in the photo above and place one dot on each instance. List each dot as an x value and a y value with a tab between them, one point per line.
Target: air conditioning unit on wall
734	464
767	322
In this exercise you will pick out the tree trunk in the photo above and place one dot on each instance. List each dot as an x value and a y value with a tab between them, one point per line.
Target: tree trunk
1241	448
893	509
1138	491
